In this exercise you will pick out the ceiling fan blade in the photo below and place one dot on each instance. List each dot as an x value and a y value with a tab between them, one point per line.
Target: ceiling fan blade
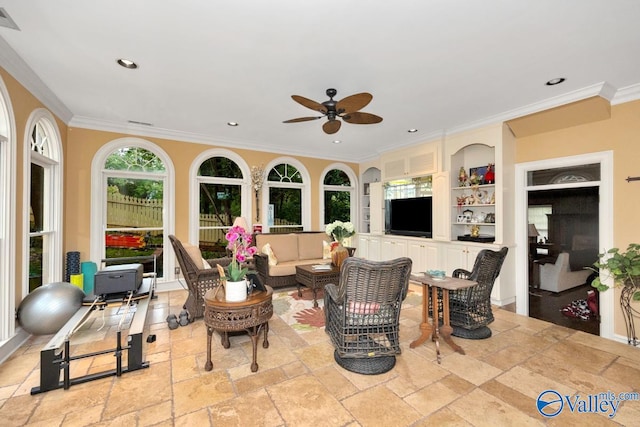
361	118
302	119
332	126
353	103
309	103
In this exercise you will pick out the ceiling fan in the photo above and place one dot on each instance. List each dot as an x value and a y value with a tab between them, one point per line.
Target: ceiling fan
347	109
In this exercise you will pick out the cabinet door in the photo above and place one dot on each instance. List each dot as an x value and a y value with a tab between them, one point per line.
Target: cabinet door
376	208
393	248
374	248
423	255
421	163
363	247
393	168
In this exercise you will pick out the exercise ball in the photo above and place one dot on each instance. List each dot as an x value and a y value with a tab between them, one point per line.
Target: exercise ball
47	308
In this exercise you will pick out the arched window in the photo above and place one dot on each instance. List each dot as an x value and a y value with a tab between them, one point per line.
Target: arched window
134	214
223	195
7	215
288	198
338	195
43	186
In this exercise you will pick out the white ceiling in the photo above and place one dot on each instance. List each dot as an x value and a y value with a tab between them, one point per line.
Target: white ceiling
436	65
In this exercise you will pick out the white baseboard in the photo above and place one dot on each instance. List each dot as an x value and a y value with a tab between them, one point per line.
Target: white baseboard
8	347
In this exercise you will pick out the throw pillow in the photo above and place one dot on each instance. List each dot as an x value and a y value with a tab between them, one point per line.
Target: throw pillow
266	249
206	265
326	250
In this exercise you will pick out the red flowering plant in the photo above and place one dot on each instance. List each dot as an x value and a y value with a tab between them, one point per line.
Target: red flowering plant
241	249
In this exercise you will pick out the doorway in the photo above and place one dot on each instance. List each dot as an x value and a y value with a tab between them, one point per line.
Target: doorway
564	221
555	174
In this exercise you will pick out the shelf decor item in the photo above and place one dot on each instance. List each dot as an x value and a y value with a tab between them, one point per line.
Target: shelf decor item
489	176
462	177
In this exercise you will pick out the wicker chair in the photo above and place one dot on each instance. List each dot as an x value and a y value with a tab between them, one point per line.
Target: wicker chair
199	280
470	309
362	313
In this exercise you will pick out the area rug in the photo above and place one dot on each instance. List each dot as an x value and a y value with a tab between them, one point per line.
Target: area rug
583	309
299	312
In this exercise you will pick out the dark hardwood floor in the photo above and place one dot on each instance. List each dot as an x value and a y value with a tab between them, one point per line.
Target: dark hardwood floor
545	305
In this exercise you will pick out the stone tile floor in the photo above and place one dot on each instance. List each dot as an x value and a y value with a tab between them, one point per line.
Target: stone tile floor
298	383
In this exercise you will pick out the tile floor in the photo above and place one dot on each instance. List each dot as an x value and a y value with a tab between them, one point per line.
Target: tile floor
299	384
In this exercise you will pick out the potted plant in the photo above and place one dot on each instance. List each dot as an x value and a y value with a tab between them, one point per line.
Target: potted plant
623	267
339	231
240	247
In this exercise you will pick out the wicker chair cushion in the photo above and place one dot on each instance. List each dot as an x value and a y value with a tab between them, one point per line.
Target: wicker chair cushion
194	254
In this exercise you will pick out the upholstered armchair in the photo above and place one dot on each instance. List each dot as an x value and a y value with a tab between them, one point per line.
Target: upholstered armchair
198	275
558	277
362	313
470	309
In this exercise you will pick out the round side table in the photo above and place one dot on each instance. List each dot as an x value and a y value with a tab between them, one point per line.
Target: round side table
251	316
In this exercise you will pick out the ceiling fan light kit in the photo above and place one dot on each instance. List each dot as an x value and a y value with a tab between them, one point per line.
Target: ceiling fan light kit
346	109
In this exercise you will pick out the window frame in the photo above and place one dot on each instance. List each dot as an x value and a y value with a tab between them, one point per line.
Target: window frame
8	172
354	197
305	198
194	188
54	188
99	177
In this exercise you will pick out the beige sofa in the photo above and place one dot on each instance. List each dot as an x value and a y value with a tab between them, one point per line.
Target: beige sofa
289	250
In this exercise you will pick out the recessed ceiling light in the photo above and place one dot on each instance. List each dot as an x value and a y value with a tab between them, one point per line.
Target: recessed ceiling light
337	141
232	124
412	130
127	63
555	81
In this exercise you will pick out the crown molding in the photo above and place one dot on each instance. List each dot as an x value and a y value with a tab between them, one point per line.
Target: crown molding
154	132
20	70
626	94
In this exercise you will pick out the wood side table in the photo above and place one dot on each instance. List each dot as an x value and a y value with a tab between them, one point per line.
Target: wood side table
315	279
430	284
251	315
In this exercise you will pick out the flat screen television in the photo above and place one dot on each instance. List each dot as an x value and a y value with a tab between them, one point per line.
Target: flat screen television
409	217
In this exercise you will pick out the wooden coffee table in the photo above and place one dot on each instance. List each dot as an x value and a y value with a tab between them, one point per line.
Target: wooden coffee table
315	279
251	315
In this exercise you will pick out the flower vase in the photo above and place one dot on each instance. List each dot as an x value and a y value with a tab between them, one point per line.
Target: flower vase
235	291
338	255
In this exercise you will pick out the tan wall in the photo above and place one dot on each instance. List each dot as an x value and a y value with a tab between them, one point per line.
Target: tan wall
23	103
621	134
84	143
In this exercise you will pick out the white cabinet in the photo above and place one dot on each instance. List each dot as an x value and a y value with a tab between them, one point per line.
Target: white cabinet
424	255
461	256
411	162
376	208
371	175
441	207
392	248
368	247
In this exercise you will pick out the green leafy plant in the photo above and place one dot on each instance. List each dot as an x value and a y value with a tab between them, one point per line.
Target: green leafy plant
340	230
623	267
